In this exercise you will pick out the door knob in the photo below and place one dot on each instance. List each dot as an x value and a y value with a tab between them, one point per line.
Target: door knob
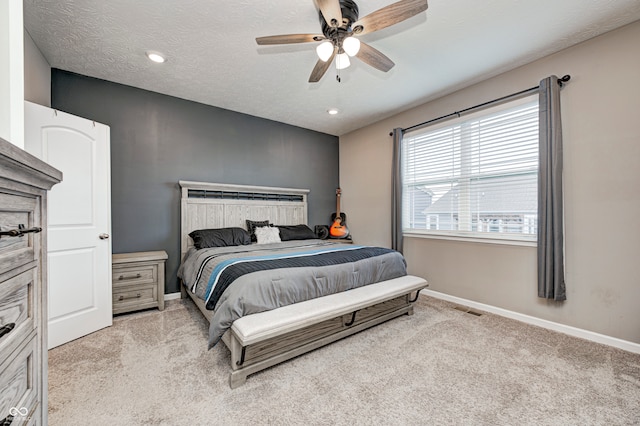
104	236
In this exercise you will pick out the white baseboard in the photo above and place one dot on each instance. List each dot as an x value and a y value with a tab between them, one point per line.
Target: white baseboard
172	296
566	329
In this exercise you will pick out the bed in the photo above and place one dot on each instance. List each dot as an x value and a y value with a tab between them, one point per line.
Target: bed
270	300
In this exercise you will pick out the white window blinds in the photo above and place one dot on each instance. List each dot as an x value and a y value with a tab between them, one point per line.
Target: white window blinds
474	176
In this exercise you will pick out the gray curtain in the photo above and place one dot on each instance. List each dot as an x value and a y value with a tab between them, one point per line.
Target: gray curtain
551	283
396	192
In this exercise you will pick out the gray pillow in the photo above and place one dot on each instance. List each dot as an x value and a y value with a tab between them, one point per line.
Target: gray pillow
220	237
296	232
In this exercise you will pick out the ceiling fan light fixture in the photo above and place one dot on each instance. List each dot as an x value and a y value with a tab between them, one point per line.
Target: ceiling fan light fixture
324	50
342	61
340	20
351	46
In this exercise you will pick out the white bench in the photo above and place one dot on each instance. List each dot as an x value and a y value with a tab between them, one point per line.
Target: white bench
259	341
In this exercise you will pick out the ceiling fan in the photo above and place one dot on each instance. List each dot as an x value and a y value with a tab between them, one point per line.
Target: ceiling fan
340	27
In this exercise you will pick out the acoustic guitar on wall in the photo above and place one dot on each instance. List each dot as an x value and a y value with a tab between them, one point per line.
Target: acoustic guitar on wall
338	228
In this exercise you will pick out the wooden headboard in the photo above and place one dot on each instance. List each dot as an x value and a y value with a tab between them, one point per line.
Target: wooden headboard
220	205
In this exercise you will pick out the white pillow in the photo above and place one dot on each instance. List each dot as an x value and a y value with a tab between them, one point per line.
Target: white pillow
268	235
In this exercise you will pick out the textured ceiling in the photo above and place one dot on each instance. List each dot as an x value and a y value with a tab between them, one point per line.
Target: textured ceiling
213	57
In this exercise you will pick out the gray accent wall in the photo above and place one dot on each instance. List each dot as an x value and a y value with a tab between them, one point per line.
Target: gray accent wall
157	140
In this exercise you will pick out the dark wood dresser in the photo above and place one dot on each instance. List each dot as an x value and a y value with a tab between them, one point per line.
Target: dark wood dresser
24	181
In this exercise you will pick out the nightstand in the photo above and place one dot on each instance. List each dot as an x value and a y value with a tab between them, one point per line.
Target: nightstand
346	240
138	281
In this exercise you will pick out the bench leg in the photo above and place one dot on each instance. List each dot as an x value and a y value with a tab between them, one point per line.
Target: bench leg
237	378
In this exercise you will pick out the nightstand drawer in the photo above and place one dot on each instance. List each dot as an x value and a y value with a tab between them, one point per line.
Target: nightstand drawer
124	276
17	307
18	384
135	297
18	212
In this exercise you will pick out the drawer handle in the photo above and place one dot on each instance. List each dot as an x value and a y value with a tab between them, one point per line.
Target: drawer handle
137	296
6	329
130	277
20	231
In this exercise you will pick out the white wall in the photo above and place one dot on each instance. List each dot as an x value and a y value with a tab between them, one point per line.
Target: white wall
37	74
11	72
601	109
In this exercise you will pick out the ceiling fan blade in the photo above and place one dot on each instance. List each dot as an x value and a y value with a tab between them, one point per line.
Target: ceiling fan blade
289	39
331	12
321	68
374	57
389	15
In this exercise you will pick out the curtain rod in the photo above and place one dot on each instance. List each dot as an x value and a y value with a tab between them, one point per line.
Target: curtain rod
561	81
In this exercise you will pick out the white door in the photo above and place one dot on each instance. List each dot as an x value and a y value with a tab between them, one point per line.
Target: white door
79	213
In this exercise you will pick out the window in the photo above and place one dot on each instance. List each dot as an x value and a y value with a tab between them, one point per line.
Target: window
475	176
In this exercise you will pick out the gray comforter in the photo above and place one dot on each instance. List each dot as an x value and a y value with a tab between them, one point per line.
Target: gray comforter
247	292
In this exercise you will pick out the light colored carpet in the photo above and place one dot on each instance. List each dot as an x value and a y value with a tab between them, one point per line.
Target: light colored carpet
440	366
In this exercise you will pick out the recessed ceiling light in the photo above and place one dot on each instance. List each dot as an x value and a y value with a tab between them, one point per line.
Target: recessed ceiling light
156	57
333	111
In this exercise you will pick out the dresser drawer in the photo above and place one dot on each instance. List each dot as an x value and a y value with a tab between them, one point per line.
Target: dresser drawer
17	309
18	211
138	274
18	384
